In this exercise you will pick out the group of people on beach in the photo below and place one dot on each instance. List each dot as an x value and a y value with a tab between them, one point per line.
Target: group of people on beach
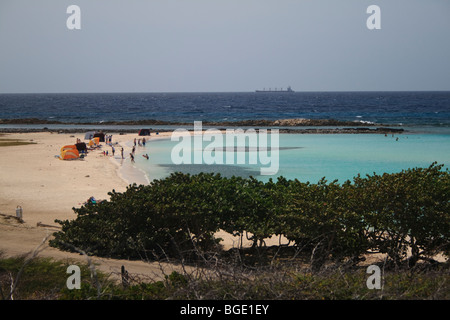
133	150
139	142
108	139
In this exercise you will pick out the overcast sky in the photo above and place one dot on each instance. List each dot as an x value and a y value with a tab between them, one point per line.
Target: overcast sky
223	45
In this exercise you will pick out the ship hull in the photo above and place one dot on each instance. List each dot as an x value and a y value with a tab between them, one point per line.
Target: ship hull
288	90
279	91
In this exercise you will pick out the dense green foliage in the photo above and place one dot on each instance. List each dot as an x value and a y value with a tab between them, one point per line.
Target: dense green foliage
179	216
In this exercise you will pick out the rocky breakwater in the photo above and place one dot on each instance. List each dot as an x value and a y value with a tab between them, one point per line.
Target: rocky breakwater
284	125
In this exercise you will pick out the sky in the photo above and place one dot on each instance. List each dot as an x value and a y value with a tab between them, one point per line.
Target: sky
223	46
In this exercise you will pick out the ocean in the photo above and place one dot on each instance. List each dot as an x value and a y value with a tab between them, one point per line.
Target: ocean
310	157
395	108
425	117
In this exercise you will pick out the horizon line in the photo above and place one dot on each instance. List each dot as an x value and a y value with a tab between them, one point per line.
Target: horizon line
202	92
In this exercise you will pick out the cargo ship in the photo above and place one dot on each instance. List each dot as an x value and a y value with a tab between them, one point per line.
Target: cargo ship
289	89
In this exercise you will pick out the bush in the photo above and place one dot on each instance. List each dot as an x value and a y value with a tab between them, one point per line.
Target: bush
178	216
407	211
168	217
322	218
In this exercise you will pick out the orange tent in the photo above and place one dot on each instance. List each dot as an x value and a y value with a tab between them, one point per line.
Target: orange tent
68	147
69	154
94	142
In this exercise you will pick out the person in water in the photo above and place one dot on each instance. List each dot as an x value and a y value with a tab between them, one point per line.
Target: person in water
145	156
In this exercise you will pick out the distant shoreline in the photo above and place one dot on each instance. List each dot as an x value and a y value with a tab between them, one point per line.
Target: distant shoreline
295	122
362	130
284	126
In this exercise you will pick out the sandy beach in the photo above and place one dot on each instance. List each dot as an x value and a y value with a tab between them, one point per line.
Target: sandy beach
47	188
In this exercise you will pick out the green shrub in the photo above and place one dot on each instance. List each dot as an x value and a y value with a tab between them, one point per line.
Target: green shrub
406	211
178	217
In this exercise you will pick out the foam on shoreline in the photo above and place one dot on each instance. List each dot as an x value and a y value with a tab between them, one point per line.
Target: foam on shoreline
128	171
125	169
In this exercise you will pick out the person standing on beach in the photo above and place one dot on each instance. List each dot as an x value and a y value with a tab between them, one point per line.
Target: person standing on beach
113	150
121	152
132	157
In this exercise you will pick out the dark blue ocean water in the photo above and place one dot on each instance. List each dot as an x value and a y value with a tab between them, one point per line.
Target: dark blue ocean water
394	108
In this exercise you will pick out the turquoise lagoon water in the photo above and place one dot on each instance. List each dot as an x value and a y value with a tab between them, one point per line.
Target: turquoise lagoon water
309	157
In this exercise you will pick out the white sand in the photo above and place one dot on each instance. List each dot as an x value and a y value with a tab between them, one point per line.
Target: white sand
48	188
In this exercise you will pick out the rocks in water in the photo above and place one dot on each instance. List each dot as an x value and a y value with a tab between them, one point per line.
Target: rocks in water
284	125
